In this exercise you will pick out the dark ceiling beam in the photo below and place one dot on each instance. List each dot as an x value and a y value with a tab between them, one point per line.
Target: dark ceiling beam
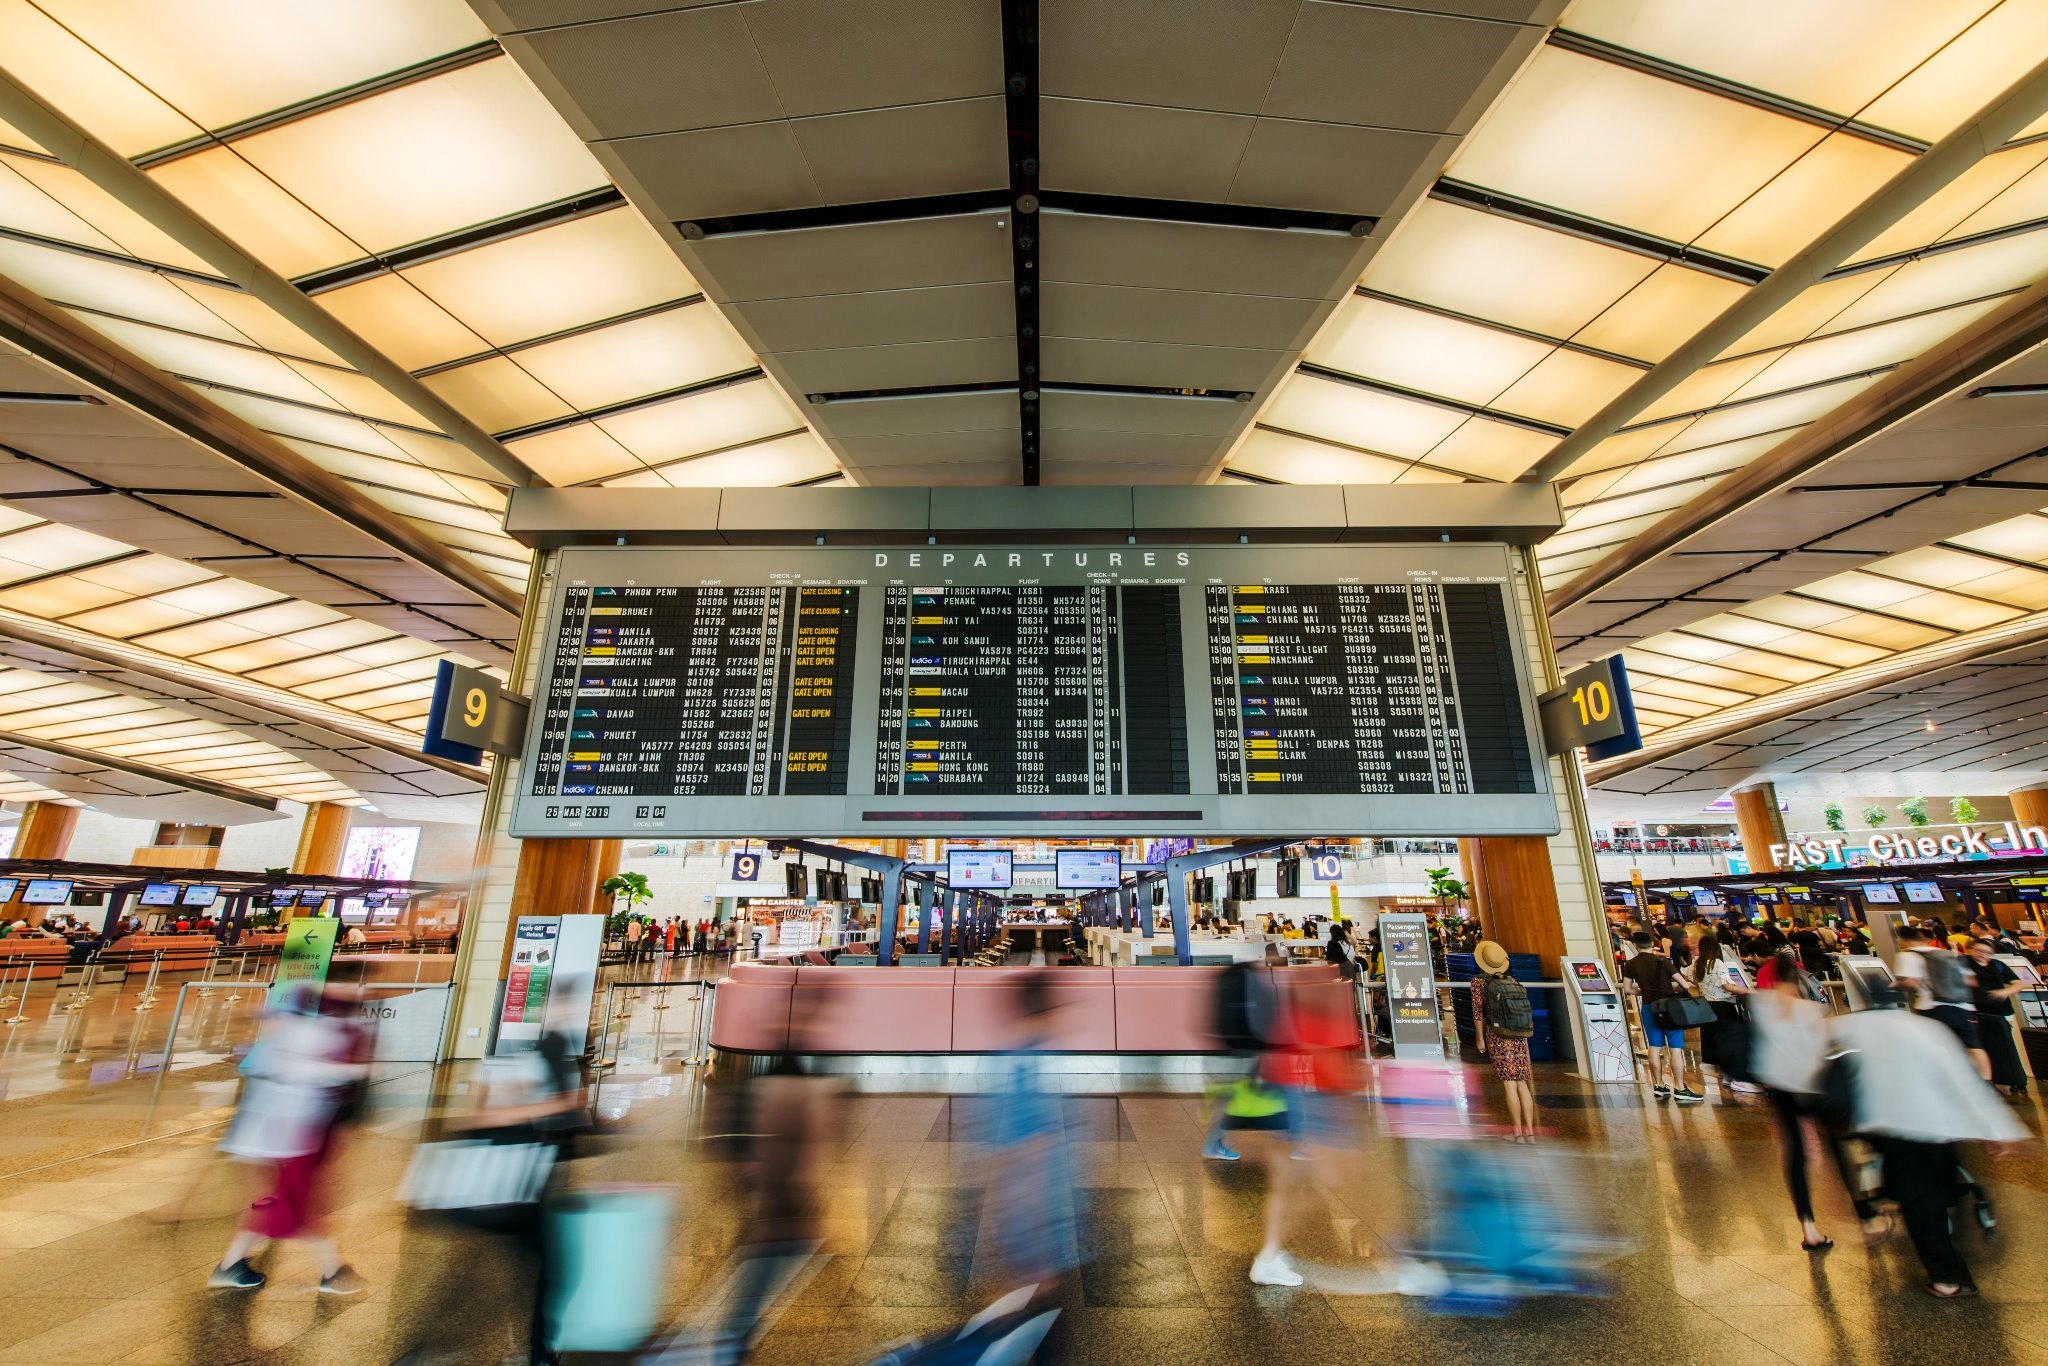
1904	667
43	332
2005	115
57	749
116	176
1953	369
275	702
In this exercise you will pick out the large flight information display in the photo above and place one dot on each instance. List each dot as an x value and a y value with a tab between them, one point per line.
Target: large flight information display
1228	690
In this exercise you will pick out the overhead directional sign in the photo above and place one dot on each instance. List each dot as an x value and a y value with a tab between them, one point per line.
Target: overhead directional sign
1592	710
471	713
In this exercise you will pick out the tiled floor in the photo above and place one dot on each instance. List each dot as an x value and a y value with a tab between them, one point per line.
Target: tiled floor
113	1206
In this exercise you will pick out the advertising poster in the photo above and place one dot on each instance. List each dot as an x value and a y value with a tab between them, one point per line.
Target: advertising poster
1411	987
526	986
308	949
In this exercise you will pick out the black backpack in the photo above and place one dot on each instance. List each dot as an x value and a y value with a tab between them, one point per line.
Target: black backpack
1507	1008
1948	979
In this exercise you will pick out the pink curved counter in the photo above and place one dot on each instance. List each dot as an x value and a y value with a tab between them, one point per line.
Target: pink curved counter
769	1008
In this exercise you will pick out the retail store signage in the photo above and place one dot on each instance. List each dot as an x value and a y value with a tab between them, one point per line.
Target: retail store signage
1591	710
1968	842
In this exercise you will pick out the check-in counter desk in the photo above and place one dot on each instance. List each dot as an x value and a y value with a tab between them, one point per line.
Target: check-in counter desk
182	952
769	1008
1110	948
49	956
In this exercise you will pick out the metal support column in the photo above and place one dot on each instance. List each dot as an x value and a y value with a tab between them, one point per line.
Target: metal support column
948	913
926	893
892	888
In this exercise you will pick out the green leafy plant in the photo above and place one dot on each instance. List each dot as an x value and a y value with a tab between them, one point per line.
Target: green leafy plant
630	888
1962	810
1832	814
1875	816
1914	809
1445	888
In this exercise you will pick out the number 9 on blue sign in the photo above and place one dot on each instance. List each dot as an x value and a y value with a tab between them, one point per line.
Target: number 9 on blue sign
746	867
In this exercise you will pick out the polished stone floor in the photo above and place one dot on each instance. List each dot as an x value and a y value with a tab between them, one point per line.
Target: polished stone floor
113	1206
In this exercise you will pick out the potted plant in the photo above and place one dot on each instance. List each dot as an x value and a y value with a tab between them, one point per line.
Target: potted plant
1875	816
1914	809
1445	888
1962	810
1832	814
630	888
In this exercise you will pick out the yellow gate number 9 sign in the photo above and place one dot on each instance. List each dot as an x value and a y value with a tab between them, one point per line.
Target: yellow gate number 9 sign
475	703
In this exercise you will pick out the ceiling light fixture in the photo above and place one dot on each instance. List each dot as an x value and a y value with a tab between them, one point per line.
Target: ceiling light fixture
27	396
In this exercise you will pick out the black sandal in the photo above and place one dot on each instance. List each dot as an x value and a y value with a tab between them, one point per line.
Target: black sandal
1822	1246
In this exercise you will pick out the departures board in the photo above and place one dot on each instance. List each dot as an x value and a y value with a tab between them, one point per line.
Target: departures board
1081	690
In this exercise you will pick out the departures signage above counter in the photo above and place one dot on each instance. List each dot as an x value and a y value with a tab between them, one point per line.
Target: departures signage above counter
1137	690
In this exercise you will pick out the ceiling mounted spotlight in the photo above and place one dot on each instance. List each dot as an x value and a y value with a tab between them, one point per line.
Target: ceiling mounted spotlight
1027	203
692	232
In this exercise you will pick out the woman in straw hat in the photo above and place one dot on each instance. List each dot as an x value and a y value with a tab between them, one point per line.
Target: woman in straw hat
1503	1033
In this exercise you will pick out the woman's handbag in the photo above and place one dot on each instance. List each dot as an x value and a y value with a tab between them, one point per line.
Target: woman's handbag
1681	1012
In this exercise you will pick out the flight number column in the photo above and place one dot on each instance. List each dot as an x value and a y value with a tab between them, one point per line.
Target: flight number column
1105	689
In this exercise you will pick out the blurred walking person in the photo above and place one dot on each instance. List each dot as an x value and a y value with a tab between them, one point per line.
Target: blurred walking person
1914	1094
303	1080
1034	1202
1790	1027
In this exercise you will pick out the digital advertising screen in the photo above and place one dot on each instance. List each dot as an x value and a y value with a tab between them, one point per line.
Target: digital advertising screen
1705	896
43	891
1924	893
159	894
1881	893
981	870
199	896
1087	870
7	886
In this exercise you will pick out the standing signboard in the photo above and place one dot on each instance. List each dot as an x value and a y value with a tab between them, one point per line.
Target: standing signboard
1411	987
526	986
574	980
308	949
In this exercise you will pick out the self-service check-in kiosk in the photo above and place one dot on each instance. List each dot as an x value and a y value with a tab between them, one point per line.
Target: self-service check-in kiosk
2032	1001
1860	974
1599	1023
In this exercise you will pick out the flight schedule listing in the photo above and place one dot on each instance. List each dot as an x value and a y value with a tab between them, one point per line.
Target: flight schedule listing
1364	688
698	692
1113	689
1031	689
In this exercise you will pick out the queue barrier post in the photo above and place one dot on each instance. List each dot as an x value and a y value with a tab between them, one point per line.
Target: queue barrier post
81	995
148	1001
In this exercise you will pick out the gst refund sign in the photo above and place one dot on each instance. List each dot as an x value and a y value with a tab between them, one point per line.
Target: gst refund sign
1910	848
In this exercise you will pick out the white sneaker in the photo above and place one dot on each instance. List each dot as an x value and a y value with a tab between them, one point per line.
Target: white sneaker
1274	1270
1746	1088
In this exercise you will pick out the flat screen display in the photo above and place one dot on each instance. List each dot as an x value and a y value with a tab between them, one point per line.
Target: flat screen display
199	895
159	894
43	891
1117	691
7	886
984	870
1705	896
1087	870
1925	892
1881	893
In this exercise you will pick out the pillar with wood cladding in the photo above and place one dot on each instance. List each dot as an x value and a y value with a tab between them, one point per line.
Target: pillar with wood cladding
2030	806
560	877
45	833
322	839
1761	825
1514	891
46	830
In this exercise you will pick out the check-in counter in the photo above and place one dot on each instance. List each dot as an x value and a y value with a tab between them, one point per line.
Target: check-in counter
182	952
48	955
771	1008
